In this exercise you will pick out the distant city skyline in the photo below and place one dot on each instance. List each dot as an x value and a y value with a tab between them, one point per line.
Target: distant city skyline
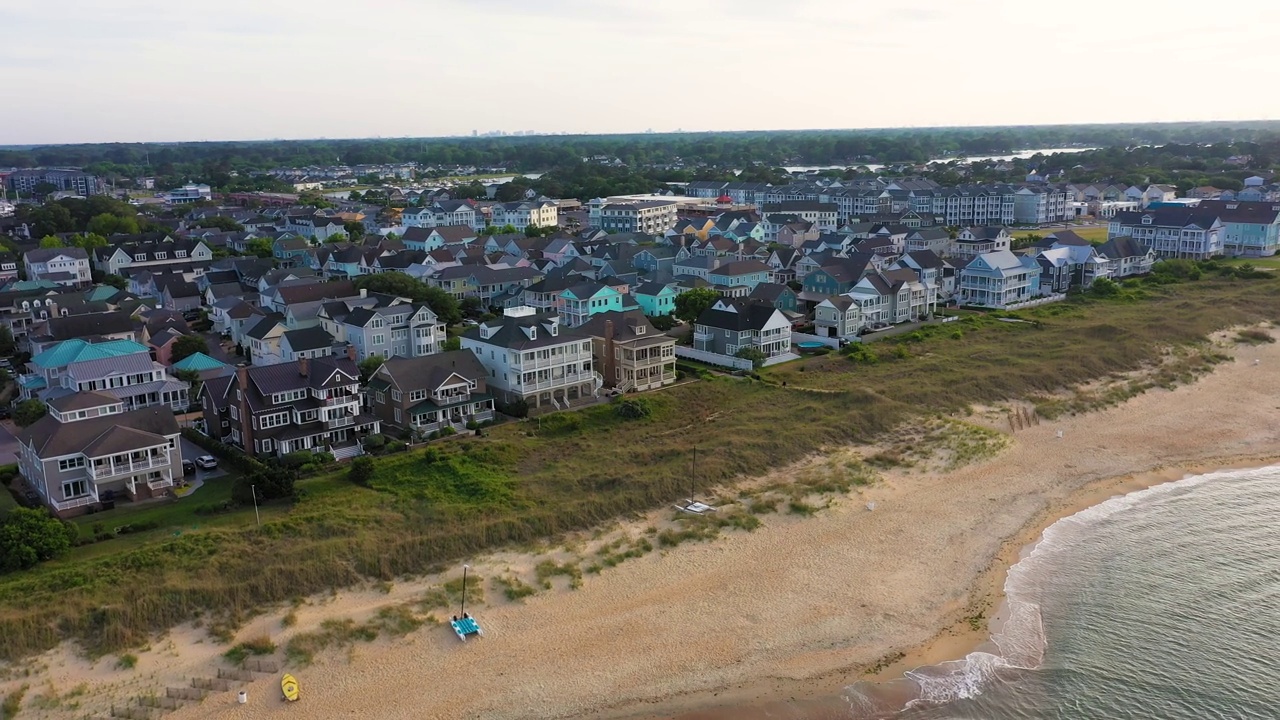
142	70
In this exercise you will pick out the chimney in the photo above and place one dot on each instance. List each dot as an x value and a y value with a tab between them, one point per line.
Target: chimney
351	352
303	366
246	416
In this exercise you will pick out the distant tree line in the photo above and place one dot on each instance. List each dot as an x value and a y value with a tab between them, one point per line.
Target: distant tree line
226	164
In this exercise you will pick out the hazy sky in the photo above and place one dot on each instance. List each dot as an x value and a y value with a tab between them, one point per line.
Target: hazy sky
128	70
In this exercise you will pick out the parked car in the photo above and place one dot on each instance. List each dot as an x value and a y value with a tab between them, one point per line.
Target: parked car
188	467
207	462
5	412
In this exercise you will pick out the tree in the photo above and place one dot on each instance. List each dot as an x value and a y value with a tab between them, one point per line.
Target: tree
260	247
754	354
444	305
28	412
89	241
50	242
192	378
6	341
453	343
221	222
336	238
355	196
44	188
114	281
471	307
186	346
354	228
369	366
107	224
362	470
692	303
29	536
662	322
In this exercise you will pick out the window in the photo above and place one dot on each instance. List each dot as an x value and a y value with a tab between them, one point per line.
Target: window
417	395
379	339
235	412
74	489
379	397
140	257
162	256
71	463
180	253
395	396
266	422
397	414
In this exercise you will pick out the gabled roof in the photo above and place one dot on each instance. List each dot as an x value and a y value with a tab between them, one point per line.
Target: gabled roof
198	362
312	338
107	323
429	372
1122	247
40	255
651	288
770	292
741	267
311	292
77	350
746	316
51	438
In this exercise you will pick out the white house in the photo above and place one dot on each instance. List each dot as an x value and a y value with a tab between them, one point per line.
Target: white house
531	358
64	266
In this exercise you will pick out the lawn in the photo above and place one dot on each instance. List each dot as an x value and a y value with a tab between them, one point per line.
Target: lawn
1095	235
527	481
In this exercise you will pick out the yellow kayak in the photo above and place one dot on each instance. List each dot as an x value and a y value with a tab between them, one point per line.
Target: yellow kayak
289	686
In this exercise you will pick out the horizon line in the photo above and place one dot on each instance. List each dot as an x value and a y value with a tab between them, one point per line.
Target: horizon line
642	133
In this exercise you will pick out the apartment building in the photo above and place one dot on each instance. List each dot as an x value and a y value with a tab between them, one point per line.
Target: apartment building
538	213
89	450
443	213
24	182
530	357
1249	229
157	256
651	217
189	193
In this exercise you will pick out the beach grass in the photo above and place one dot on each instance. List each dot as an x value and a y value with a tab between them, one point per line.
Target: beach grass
427	509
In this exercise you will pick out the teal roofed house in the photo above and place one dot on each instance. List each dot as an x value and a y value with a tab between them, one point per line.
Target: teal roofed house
198	362
655	299
579	302
69	351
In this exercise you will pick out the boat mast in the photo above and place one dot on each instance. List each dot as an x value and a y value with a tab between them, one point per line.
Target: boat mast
462	612
693	474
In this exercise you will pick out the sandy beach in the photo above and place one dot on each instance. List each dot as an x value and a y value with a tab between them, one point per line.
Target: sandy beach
798	608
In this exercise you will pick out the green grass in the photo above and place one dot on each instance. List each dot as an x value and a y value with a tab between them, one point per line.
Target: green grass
518	485
256	646
1095	235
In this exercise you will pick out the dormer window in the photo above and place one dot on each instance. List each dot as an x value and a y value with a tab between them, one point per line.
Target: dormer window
140	257
533	333
162	256
180	253
1146	219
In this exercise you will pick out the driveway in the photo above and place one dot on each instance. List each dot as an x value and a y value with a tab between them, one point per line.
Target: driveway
217	351
191	451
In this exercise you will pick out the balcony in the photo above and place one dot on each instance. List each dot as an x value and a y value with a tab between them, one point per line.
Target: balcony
334	400
160	483
74	503
116	469
552	361
568	379
340	421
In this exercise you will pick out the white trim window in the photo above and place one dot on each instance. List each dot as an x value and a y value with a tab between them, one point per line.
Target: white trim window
417	395
71	463
74	489
274	420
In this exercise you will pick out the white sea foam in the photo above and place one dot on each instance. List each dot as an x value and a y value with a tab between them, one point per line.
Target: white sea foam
1020	638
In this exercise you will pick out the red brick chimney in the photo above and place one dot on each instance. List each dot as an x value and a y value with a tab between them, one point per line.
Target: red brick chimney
351	352
303	366
242	402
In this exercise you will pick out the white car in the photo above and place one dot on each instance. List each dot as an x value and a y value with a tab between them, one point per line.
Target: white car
207	462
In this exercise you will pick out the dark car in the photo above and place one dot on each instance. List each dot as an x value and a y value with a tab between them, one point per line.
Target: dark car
5	412
188	467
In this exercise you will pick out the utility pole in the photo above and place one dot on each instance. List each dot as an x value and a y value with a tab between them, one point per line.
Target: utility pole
254	489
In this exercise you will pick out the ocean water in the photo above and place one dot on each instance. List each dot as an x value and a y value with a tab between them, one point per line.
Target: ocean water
1161	604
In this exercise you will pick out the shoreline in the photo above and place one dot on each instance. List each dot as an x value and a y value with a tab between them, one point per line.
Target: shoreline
953	642
708	630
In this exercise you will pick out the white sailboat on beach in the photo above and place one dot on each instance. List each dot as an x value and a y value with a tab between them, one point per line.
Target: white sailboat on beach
692	505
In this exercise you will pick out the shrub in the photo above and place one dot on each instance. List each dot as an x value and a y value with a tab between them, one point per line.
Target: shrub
29	536
127	661
395	446
516	408
362	470
633	409
1254	337
861	353
256	646
375	443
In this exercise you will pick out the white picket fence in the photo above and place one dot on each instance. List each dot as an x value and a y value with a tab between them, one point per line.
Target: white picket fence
711	358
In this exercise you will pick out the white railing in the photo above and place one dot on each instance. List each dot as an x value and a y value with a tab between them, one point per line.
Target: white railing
340	400
77	502
159	483
338	422
569	379
552	361
114	469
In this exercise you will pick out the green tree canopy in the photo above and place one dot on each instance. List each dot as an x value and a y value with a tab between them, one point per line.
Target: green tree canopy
107	224
188	345
27	412
692	303
49	241
369	366
754	354
354	228
444	305
6	341
29	536
260	247
221	222
336	238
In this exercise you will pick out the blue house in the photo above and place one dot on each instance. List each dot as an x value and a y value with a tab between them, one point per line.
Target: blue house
290	251
837	276
999	279
655	298
777	295
659	259
579	302
743	273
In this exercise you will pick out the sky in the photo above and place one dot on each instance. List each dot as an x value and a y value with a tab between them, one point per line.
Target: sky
142	70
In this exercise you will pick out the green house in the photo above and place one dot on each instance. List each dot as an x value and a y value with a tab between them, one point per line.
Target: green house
655	298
